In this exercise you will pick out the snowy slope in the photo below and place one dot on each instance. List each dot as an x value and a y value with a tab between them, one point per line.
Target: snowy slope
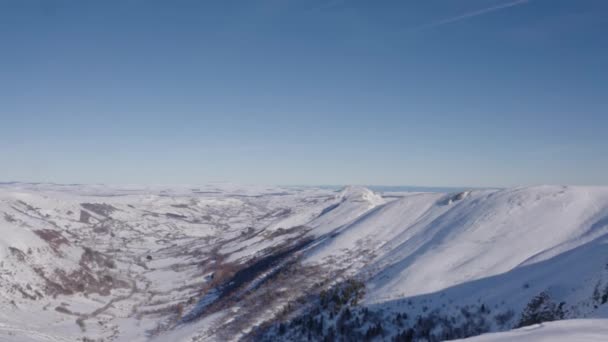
476	261
487	234
121	263
579	330
208	263
483	234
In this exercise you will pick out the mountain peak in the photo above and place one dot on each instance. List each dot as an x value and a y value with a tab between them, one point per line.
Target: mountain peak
359	193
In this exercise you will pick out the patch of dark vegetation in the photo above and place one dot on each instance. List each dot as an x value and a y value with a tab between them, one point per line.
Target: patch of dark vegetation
93	276
252	270
27	295
52	237
17	253
504	317
64	310
79	281
230	281
102	209
335	315
285	231
163	311
600	296
328	318
85	217
347	293
289	288
91	258
541	309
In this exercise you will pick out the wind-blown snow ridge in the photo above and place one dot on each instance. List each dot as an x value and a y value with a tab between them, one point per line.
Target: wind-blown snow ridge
358	193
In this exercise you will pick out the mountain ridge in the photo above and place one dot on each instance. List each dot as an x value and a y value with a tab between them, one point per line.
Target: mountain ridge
143	258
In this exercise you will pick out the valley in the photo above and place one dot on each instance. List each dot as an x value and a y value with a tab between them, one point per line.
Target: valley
225	262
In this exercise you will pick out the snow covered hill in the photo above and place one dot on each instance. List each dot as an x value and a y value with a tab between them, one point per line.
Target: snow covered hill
226	262
579	330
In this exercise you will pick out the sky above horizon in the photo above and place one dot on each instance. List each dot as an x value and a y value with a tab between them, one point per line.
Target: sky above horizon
425	93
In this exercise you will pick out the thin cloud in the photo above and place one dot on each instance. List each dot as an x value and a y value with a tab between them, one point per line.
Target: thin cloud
470	15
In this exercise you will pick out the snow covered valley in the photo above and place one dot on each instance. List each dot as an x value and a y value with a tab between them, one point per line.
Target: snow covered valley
225	262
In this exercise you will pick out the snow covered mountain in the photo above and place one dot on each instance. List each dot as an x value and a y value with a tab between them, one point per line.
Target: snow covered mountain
225	262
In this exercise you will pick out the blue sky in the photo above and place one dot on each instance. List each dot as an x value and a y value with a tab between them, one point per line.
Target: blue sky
433	92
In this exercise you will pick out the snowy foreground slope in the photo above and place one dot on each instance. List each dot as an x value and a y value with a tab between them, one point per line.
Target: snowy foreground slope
225	262
579	330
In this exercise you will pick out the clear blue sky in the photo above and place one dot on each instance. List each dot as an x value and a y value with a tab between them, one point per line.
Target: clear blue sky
427	92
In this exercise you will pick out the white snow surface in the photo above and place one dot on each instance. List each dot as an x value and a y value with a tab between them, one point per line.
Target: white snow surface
576	330
424	243
486	246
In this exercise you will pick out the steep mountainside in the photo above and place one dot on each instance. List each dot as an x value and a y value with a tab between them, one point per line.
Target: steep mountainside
226	262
